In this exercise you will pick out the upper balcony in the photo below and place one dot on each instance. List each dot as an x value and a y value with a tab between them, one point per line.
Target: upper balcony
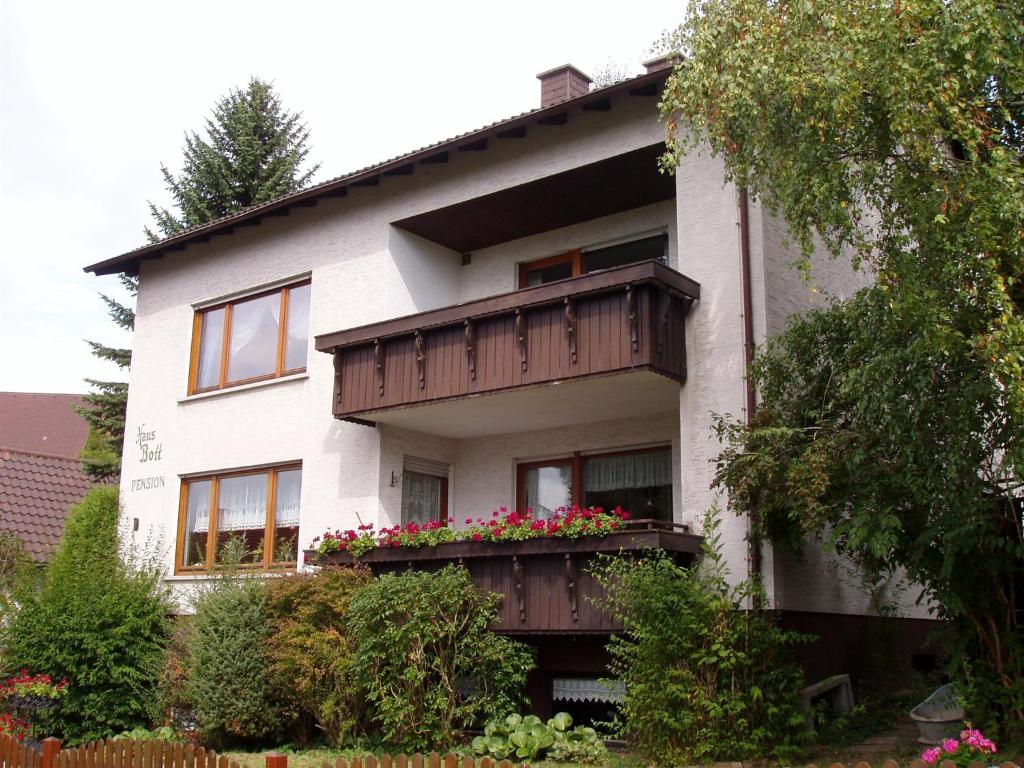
614	341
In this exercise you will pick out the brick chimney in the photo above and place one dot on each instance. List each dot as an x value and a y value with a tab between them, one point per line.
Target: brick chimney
663	62
561	84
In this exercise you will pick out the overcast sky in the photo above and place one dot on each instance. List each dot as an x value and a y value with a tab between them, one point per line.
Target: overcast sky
94	96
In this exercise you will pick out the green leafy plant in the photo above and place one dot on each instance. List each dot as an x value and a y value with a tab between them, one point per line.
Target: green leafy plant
530	738
313	649
426	661
704	679
163	733
95	619
229	679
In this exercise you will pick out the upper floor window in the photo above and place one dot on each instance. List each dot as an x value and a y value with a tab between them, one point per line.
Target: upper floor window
252	338
585	261
249	518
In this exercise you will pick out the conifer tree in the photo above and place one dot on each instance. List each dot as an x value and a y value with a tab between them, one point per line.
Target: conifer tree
254	151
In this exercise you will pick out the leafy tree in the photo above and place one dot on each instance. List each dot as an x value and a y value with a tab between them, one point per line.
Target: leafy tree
893	133
253	153
97	621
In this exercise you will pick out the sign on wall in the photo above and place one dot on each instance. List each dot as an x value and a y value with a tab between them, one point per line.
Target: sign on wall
149	451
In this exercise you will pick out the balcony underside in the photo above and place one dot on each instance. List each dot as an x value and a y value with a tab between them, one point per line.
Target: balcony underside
631	394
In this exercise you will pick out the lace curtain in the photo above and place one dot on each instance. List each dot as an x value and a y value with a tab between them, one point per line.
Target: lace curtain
208	373
547	489
634	470
242	503
421	497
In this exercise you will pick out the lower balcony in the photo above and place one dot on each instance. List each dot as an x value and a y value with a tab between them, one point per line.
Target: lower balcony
608	342
546	582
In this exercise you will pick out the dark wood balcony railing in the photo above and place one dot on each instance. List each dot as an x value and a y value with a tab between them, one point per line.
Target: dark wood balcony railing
627	318
546	583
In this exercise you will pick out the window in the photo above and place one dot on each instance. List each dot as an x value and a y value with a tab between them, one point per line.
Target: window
638	481
583	262
257	337
424	491
253	517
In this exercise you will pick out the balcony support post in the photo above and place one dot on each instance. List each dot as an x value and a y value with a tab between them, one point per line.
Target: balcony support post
517	572
521	336
378	364
634	331
570	327
470	337
664	305
570	583
421	359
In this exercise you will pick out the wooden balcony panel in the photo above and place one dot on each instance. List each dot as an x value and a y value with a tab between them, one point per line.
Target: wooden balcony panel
629	318
545	583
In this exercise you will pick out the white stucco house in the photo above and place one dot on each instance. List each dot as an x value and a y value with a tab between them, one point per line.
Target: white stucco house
526	315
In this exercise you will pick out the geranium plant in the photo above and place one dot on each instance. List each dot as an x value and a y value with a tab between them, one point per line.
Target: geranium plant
10	725
502	525
25	690
972	746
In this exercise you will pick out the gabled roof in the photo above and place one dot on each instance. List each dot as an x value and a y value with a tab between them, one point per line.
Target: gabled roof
36	492
42	423
403	165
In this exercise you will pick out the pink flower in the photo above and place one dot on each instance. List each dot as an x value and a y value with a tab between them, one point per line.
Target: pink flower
477	537
950	745
931	756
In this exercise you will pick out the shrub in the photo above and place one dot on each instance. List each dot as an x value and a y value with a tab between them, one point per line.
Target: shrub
705	680
313	651
96	620
229	680
426	661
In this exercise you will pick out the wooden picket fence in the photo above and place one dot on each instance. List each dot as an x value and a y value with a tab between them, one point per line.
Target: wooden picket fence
128	753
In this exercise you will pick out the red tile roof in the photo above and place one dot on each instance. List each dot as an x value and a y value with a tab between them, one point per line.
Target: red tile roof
42	423
36	492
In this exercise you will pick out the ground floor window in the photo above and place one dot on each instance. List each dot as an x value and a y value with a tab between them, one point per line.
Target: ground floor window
639	481
424	491
251	516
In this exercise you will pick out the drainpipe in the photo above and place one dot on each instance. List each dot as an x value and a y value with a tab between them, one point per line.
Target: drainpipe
750	399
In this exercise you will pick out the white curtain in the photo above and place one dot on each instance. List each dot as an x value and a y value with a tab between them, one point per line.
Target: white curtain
298	313
242	503
635	470
289	489
250	320
421	497
197	519
210	344
548	489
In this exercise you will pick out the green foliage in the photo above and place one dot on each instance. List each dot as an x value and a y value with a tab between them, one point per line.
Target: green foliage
229	678
529	738
95	620
313	651
163	733
253	152
705	680
891	132
421	635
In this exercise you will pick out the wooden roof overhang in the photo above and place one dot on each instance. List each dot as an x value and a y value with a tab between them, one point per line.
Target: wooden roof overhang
601	100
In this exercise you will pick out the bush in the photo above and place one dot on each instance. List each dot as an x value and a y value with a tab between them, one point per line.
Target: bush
96	620
426	661
705	680
229	680
313	651
529	738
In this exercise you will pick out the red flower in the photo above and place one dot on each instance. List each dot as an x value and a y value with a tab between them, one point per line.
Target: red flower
477	537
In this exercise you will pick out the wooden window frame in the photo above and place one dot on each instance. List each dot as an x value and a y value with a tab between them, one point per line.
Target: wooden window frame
574	257
270	527
575	462
228	306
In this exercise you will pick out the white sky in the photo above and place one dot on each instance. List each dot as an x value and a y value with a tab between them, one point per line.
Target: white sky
95	95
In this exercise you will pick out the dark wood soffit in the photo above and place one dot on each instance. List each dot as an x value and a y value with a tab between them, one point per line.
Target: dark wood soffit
643	272
619	183
128	263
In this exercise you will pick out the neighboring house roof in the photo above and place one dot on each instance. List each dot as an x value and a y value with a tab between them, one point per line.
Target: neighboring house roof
597	100
42	423
36	492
